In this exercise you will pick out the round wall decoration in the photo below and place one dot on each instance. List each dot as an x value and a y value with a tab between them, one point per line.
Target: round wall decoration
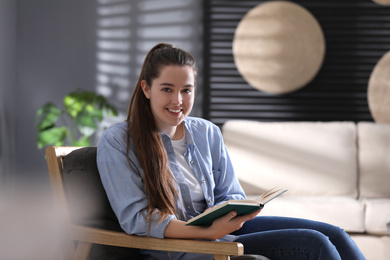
382	2
278	47
379	90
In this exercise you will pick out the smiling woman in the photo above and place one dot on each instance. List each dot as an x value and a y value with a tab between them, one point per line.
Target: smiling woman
162	167
171	98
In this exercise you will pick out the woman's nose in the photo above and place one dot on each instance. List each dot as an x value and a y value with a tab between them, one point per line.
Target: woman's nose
177	98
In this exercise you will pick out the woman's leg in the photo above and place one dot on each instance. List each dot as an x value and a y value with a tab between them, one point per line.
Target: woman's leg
345	246
290	244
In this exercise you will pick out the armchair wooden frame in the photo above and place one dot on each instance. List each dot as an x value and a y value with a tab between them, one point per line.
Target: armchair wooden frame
87	236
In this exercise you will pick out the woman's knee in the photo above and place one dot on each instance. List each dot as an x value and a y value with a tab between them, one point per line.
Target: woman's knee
335	233
320	245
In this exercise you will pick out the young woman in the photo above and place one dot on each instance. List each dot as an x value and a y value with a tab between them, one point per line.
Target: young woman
161	167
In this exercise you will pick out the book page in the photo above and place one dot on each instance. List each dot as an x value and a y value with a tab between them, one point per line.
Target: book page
270	194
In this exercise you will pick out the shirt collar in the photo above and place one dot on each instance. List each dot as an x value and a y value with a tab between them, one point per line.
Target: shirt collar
188	133
189	137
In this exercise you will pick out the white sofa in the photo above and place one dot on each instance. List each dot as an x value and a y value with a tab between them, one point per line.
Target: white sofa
335	172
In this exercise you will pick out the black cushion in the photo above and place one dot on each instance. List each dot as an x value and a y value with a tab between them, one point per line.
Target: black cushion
88	203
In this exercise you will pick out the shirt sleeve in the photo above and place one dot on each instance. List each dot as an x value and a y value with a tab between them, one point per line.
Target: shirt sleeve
227	185
124	186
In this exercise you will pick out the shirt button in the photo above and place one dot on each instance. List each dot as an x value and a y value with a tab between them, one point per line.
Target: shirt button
192	162
210	201
203	181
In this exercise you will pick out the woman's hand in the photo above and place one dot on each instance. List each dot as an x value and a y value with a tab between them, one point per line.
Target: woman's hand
220	227
229	223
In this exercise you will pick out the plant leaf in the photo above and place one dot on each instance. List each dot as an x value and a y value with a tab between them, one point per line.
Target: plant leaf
86	111
74	104
86	123
47	116
52	136
107	109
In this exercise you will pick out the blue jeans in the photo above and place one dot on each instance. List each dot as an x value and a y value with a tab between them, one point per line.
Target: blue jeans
296	239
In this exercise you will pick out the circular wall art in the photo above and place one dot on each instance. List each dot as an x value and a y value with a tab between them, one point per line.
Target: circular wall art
379	90
278	47
382	2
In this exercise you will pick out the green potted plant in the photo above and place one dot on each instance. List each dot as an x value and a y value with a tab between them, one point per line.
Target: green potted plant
75	124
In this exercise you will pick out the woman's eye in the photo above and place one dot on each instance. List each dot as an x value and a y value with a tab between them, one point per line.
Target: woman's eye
187	91
166	89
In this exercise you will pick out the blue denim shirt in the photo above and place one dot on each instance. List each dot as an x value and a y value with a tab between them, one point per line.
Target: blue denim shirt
205	154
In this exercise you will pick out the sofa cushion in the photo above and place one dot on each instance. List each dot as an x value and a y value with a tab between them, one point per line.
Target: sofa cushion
347	213
374	160
307	158
373	247
377	214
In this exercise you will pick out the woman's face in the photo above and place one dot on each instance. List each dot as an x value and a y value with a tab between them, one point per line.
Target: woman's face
171	96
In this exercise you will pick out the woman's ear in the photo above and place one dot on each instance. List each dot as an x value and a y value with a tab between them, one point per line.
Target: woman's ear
145	89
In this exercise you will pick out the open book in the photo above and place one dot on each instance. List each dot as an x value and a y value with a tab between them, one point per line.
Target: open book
242	207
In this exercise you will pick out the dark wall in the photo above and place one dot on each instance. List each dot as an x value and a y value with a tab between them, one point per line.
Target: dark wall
55	55
357	35
8	106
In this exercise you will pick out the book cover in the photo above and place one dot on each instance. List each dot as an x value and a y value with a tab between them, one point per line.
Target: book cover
242	207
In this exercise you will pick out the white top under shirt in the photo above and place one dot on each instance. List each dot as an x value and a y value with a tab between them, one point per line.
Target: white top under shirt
179	146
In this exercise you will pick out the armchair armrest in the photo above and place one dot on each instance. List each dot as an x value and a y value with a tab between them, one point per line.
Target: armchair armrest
221	250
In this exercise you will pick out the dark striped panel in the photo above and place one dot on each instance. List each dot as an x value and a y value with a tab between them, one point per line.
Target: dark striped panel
357	35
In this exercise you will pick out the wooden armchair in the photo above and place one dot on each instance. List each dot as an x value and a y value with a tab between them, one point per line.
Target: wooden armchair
85	236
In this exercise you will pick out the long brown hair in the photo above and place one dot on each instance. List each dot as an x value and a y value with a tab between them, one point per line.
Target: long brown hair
158	181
